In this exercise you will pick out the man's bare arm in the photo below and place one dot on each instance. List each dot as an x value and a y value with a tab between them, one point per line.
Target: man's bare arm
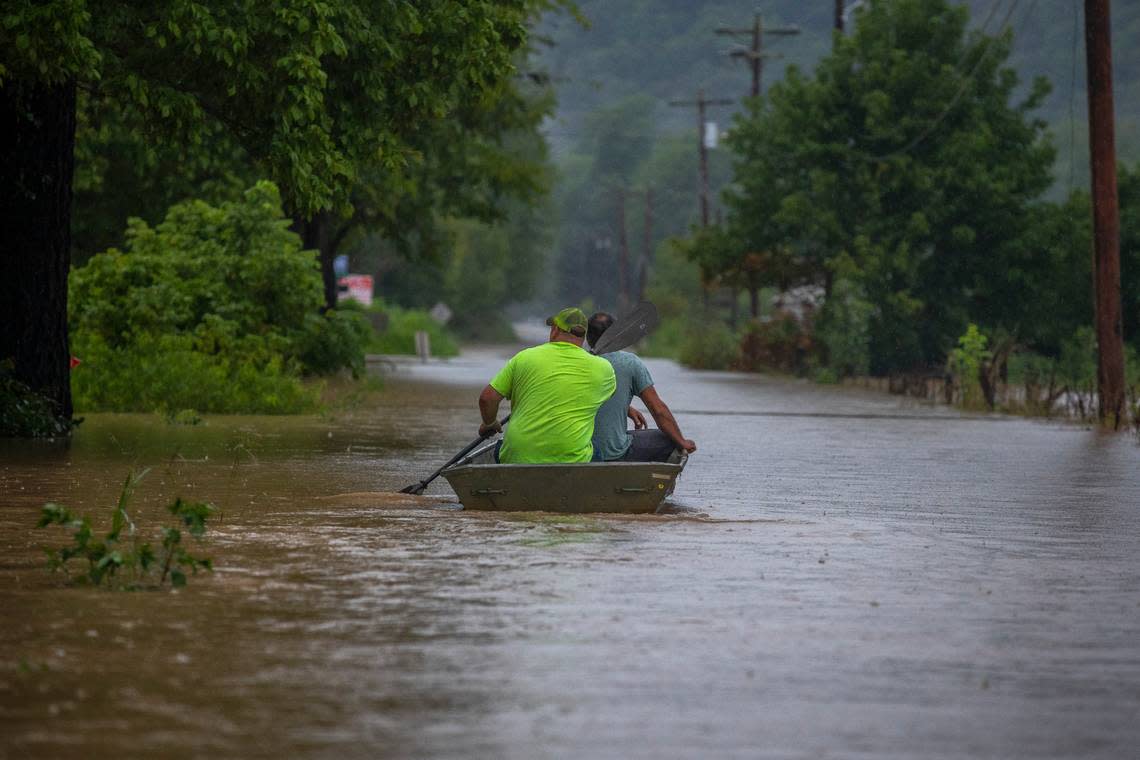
489	401
664	419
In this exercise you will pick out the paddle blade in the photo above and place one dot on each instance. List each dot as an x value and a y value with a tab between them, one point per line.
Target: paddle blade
415	489
629	329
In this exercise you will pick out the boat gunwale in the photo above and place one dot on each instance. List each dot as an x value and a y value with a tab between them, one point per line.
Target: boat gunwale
540	465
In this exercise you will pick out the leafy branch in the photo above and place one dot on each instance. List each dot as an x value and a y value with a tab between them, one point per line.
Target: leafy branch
125	561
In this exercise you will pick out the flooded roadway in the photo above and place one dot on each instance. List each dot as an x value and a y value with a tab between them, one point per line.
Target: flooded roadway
839	574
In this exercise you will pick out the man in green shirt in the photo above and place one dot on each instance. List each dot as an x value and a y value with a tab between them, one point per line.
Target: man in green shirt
555	391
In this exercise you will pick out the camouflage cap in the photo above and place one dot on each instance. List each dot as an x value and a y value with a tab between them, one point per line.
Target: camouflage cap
571	320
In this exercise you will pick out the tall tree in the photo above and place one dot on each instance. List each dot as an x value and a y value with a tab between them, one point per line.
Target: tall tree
311	90
907	150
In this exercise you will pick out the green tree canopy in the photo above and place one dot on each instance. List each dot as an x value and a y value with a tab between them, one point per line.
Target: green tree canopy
907	151
314	92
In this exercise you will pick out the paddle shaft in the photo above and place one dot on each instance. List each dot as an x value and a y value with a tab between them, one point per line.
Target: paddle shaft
419	487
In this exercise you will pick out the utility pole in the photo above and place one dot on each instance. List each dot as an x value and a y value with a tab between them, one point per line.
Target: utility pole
646	247
755	54
1106	215
839	16
623	254
702	147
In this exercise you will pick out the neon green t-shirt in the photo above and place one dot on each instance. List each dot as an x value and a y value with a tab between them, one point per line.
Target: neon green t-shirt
555	390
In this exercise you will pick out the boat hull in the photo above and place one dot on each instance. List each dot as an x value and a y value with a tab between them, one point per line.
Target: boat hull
623	487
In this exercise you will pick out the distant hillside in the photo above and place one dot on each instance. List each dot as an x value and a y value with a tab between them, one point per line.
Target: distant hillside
668	49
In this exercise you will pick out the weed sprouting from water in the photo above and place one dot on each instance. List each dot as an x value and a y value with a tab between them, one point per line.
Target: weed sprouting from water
120	559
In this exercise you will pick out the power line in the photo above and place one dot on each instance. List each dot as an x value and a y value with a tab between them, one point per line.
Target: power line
1072	102
969	78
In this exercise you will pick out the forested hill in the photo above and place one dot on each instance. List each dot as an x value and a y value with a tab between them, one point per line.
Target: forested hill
668	49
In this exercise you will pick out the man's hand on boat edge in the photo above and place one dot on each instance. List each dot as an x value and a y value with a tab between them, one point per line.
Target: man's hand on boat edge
639	423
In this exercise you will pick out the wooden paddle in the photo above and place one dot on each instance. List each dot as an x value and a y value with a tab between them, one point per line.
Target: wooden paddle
624	332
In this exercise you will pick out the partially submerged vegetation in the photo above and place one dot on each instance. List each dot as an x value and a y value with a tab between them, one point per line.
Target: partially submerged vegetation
218	310
121	559
25	413
397	332
215	309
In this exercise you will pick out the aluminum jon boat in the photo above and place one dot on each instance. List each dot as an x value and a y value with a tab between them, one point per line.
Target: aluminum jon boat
625	487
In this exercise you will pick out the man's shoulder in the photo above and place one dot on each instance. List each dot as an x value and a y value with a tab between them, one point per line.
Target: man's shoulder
534	352
624	359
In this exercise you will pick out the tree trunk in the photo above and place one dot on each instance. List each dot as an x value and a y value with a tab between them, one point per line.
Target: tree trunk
35	235
754	297
316	235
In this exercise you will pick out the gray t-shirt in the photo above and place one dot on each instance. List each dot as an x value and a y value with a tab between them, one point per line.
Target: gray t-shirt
611	437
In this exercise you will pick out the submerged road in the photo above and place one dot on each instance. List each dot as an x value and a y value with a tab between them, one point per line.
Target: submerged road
839	574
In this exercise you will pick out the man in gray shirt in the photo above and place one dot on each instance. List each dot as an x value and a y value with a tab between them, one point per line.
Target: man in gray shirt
612	440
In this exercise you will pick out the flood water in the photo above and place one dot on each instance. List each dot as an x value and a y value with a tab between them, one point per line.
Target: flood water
838	574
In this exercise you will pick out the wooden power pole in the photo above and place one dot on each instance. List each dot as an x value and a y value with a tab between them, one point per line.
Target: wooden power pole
839	16
1106	215
647	246
623	254
755	54
702	147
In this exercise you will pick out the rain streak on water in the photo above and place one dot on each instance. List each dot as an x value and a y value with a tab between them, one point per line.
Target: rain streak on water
839	574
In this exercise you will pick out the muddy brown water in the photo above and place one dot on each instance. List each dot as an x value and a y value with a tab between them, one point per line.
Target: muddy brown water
839	574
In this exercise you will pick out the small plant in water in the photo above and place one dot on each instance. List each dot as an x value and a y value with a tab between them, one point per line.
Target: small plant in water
966	364
120	558
182	417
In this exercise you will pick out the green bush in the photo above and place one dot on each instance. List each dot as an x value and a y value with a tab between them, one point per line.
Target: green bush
214	309
170	374
710	346
966	363
782	344
667	340
844	329
333	341
1076	367
25	413
491	328
399	335
826	376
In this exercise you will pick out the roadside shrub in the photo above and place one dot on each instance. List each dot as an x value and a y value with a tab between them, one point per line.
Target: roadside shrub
399	337
783	343
490	328
1076	365
334	341
169	373
25	413
844	329
1070	379
709	346
667	340
214	309
826	376
1037	376
966	363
